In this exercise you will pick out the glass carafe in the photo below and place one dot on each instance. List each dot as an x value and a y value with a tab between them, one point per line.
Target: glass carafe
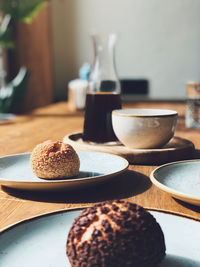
103	93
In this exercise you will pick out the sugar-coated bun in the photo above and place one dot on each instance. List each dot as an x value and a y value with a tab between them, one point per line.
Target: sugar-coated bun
54	160
115	234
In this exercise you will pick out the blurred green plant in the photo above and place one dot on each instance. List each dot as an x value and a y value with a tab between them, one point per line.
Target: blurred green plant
14	10
23	10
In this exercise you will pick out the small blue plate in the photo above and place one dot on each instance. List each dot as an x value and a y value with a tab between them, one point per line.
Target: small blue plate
180	179
95	167
41	241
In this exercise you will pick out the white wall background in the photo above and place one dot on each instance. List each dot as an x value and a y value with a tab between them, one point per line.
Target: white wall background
158	40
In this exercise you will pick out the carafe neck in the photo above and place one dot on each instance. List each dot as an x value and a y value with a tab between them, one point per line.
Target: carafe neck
103	76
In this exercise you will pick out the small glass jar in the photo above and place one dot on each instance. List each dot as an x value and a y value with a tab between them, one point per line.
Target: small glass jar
103	93
192	116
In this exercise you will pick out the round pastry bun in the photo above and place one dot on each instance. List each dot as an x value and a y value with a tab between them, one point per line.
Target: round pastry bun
54	160
115	234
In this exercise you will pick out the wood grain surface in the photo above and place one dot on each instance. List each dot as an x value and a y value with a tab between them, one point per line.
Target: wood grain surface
55	121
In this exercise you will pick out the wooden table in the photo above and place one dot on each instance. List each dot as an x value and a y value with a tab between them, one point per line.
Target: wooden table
22	133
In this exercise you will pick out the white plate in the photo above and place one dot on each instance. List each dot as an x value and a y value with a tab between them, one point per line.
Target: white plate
41	241
96	167
180	179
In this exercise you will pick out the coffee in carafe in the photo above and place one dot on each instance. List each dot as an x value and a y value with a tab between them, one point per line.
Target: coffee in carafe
103	94
98	124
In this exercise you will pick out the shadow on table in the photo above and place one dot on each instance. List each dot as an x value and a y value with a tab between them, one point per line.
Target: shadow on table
128	184
188	206
197	154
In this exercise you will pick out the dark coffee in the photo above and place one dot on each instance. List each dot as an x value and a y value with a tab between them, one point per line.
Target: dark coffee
98	122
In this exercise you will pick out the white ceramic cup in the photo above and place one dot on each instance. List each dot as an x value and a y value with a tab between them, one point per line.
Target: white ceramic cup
144	128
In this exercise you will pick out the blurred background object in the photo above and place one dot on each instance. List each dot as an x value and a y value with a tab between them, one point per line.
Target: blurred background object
159	41
133	89
23	42
77	94
158	49
77	88
192	118
13	93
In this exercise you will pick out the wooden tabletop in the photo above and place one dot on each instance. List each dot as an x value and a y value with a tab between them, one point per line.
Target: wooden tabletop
22	133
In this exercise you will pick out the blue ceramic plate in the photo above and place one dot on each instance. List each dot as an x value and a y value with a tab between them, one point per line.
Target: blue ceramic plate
41	241
180	179
96	167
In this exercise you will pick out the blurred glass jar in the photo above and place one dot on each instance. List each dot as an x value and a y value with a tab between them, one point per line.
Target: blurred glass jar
192	116
77	94
103	93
